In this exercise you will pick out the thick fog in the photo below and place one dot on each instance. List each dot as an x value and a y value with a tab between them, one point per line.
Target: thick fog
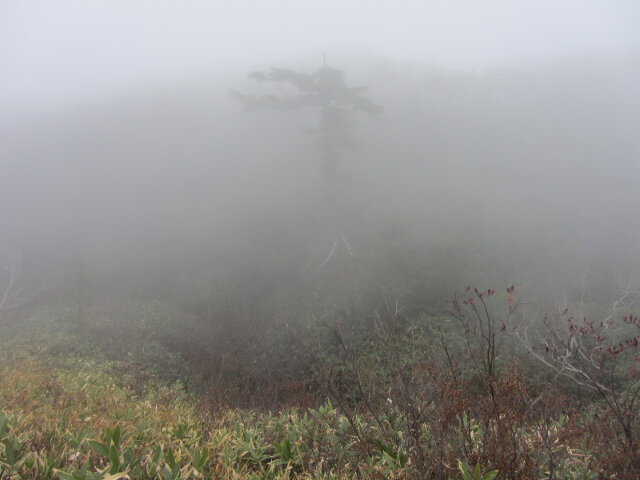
507	150
57	54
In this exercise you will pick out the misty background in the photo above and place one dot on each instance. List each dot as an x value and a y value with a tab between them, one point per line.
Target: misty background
507	152
341	239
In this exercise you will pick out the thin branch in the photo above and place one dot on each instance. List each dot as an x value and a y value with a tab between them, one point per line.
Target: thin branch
333	250
346	244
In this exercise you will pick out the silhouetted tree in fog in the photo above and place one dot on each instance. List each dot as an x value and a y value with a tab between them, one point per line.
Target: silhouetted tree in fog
325	90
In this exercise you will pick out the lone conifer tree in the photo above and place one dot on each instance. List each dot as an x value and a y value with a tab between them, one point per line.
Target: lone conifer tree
327	91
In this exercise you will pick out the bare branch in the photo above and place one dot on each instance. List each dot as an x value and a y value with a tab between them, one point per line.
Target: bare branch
333	250
13	292
590	353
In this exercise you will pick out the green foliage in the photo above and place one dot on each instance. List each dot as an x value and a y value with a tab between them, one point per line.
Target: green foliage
467	473
402	406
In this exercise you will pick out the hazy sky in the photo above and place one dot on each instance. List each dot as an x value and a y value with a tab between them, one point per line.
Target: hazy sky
55	53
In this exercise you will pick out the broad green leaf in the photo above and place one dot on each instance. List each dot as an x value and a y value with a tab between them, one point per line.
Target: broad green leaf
155	458
114	459
116	435
490	475
115	476
169	458
63	475
11	450
389	460
99	448
3	424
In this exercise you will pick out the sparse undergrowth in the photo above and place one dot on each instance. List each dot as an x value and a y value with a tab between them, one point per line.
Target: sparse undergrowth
80	422
101	402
